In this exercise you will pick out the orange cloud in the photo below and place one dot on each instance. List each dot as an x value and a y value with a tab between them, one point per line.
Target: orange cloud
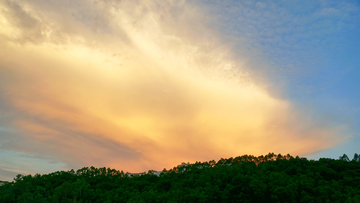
155	96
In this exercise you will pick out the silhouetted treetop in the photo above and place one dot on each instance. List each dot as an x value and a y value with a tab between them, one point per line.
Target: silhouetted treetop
247	178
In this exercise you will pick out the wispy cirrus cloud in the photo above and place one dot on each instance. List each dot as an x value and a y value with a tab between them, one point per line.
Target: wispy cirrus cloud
136	85
290	41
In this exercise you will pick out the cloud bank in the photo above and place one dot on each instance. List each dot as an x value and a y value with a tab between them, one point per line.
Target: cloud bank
134	85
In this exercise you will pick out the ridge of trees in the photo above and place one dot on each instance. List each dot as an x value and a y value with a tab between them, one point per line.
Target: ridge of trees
269	178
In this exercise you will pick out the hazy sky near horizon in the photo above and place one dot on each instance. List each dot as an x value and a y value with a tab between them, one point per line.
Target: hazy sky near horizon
138	85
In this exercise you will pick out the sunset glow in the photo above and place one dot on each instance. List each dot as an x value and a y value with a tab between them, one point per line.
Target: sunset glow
138	85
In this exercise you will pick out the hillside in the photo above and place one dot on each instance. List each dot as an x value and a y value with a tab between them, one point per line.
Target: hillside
270	178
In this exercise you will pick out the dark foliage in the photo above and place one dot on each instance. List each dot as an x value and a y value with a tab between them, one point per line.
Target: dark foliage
270	178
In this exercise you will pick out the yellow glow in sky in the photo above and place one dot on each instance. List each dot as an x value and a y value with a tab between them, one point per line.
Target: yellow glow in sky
146	93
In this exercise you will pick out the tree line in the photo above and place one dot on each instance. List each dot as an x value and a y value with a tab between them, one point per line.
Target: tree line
269	178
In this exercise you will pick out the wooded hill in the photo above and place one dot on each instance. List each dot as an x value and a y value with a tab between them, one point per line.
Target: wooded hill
270	178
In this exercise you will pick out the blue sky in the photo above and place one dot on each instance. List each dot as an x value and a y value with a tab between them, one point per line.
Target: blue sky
140	85
312	48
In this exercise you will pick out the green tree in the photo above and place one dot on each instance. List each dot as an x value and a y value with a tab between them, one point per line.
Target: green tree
344	158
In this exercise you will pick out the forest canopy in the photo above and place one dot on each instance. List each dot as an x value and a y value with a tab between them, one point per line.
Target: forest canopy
269	178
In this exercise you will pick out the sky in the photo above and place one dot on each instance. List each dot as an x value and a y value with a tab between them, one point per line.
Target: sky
137	85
